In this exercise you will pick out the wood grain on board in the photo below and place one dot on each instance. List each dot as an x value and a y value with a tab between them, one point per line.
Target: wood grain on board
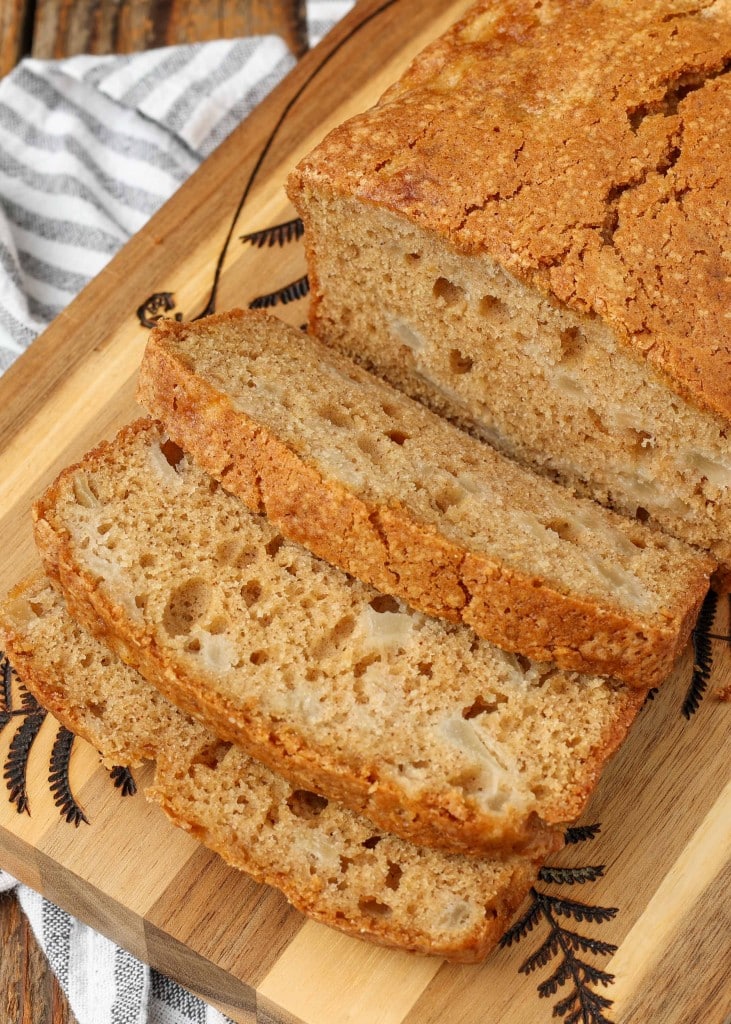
664	803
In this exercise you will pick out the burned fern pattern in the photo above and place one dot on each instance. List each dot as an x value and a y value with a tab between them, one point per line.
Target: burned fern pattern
289	293
32	716
160	305
155	308
582	1005
581	833
278	234
123	780
703	654
16	764
58	779
6	680
570	876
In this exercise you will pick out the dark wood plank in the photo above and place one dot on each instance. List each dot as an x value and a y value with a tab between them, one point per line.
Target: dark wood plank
16	28
244	948
67	27
30	993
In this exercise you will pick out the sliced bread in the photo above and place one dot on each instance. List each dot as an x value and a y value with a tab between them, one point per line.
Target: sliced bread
428	730
329	863
375	483
530	232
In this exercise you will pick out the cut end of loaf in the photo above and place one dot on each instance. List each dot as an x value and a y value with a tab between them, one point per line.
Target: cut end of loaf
552	389
524	285
451	150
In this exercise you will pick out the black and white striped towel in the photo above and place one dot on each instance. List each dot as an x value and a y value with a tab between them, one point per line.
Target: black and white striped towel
90	147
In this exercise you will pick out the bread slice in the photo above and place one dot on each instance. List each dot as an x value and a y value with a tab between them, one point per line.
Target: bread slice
329	863
530	233
374	483
429	731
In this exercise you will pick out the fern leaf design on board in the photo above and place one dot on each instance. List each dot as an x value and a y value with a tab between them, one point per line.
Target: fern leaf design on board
123	780
703	654
16	764
6	682
28	704
155	308
289	293
570	876
582	1005
277	234
581	833
58	778
521	928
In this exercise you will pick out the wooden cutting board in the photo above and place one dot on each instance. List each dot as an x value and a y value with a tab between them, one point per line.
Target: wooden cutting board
664	804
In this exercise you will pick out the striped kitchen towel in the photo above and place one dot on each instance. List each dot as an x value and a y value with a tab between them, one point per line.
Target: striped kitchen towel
90	147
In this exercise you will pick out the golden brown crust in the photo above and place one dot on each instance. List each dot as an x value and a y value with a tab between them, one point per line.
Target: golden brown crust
585	148
435	816
394	551
212	828
48	691
255	465
54	700
425	823
473	949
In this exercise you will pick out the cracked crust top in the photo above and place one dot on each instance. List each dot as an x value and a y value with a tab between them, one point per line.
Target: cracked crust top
586	147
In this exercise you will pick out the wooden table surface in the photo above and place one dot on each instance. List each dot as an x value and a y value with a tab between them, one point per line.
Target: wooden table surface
61	28
46	29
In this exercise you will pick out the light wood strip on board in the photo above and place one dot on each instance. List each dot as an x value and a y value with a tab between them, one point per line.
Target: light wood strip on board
327	977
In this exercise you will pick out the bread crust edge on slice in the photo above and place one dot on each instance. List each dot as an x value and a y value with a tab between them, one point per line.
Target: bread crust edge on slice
235	855
427	824
162	791
50	695
426	821
390	549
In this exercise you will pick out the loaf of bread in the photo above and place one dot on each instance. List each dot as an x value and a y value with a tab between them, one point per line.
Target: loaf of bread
328	862
429	731
375	483
530	232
